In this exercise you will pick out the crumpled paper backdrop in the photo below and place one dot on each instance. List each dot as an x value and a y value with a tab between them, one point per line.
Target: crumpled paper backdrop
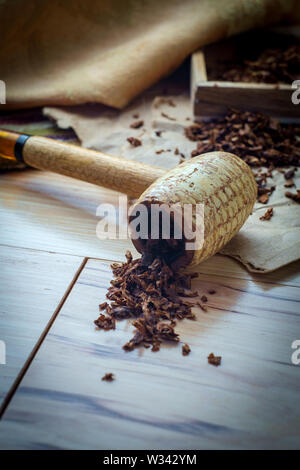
262	246
108	51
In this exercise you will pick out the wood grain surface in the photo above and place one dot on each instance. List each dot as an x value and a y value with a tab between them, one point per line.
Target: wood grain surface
215	97
165	400
45	211
31	286
158	400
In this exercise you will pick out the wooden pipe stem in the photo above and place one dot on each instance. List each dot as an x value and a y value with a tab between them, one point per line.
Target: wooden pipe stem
127	176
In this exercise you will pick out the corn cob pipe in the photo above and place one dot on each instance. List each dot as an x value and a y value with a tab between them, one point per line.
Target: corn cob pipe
223	183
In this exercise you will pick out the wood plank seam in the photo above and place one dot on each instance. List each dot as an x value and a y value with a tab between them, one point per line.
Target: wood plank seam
256	276
38	344
45	332
43	251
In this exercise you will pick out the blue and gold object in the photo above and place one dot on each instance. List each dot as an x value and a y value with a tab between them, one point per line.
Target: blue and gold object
11	145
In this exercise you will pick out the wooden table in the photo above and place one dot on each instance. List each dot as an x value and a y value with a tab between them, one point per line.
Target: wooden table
54	273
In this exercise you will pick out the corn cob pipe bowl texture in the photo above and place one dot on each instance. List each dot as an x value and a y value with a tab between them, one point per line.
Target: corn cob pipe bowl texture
226	188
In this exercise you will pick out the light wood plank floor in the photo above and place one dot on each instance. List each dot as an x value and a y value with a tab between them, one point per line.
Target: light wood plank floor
32	285
165	400
158	400
45	211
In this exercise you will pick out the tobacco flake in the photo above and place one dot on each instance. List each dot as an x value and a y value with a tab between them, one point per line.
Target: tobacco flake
185	349
267	215
108	377
134	142
214	360
281	65
263	199
137	124
294	196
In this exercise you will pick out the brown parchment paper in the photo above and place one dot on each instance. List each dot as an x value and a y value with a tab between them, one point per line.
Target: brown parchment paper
108	51
261	246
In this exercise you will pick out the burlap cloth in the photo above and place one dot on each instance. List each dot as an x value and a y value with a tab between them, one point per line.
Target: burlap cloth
108	51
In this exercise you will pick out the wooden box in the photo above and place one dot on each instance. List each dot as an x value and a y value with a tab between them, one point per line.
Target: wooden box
212	97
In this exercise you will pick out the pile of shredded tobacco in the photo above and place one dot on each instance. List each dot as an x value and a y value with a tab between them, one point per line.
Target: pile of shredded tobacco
259	140
271	66
153	296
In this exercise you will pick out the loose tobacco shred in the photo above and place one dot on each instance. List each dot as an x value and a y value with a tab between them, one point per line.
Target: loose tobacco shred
105	322
108	377
271	66
259	140
186	350
294	196
263	199
134	142
267	215
214	360
202	306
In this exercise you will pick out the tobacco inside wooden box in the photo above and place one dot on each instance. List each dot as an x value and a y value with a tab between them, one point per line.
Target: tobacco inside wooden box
212	96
